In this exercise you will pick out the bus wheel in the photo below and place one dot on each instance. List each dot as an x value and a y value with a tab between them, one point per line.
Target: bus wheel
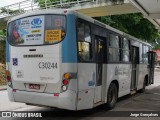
144	87
111	96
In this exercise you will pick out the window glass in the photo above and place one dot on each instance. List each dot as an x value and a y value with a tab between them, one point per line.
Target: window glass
114	55
37	30
125	50
125	44
80	30
114	41
146	49
99	31
126	56
114	48
84	51
84	42
87	33
141	53
99	47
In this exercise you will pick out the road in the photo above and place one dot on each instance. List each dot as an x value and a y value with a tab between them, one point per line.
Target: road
148	101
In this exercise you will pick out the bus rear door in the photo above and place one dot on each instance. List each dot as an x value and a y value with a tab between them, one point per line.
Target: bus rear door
135	61
151	61
99	54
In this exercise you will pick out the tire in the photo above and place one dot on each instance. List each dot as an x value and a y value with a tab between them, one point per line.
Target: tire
144	87
112	97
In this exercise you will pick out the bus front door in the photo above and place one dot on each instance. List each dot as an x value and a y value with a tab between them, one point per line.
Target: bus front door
99	55
135	61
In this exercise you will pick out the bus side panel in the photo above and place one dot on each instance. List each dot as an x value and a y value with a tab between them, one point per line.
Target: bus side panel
69	45
86	85
69	57
72	87
121	73
9	89
143	71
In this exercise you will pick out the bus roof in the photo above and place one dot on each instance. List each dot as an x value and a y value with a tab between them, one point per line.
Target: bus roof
69	11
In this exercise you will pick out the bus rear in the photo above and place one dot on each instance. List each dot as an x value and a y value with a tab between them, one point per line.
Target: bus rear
36	70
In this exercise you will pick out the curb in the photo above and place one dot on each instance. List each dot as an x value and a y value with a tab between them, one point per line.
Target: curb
3	89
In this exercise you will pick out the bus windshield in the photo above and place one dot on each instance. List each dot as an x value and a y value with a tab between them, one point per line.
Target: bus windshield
37	30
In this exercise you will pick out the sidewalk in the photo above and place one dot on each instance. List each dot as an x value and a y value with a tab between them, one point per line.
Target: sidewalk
3	87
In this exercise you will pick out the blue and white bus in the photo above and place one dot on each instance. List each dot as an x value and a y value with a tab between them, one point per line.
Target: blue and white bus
64	59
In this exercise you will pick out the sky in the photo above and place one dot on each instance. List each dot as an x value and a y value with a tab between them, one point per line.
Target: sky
8	2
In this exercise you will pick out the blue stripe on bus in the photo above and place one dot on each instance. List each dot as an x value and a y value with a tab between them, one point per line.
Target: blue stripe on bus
7	52
69	44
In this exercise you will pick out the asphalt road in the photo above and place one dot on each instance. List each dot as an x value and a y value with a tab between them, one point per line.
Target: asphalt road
148	101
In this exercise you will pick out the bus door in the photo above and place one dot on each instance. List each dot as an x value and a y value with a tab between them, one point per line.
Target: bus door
99	55
135	61
151	61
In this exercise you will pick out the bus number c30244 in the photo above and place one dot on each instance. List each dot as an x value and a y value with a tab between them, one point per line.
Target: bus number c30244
47	65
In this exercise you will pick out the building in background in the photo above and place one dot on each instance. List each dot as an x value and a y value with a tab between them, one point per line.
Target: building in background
158	57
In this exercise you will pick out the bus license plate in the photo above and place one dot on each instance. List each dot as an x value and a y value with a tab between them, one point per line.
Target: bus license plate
34	86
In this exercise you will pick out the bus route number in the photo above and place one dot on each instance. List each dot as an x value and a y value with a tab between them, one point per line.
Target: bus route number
47	65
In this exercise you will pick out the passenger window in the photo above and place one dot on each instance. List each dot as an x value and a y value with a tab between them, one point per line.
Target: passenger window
125	50
141	53
145	56
84	42
114	45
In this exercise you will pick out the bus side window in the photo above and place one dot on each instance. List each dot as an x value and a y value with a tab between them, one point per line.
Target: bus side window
145	56
84	42
126	50
114	48
141	53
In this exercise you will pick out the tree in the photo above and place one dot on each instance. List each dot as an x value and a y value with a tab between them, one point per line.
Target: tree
2	51
135	25
44	3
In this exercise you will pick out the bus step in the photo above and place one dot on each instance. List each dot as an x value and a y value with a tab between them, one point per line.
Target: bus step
133	92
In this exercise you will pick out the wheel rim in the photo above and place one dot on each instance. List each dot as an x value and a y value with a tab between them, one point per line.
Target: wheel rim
112	97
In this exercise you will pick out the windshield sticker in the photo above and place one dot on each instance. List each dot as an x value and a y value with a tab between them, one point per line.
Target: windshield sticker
52	36
28	31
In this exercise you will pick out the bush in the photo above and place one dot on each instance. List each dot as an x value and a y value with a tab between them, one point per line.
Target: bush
2	74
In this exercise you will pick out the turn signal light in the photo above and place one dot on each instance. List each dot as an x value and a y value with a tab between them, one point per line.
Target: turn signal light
67	75
7	73
8	78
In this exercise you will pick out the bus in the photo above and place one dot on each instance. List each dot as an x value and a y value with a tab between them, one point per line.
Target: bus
63	59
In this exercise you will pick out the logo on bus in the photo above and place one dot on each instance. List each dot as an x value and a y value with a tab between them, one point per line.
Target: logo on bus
36	23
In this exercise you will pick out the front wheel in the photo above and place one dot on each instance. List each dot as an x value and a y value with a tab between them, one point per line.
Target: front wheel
111	96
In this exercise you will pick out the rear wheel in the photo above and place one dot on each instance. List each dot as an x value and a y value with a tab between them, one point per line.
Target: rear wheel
111	96
144	87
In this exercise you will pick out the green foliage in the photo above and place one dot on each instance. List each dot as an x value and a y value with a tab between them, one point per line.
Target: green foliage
2	51
42	3
3	32
2	74
8	11
135	25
